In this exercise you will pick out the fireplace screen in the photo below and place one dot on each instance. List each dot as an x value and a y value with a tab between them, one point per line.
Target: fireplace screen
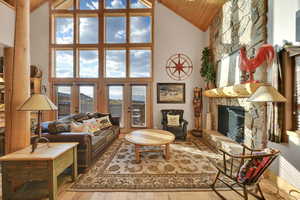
231	122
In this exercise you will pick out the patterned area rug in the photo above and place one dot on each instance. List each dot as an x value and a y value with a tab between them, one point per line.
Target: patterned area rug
188	169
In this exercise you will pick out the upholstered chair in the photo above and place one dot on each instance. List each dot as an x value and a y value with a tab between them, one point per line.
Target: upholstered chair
179	131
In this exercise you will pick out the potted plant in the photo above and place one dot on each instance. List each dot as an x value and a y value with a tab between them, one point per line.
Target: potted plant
207	69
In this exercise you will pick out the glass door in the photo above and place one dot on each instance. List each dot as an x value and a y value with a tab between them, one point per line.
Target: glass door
130	103
79	98
138	111
116	102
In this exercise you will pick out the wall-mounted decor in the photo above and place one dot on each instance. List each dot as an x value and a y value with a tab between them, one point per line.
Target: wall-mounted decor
179	67
170	92
265	54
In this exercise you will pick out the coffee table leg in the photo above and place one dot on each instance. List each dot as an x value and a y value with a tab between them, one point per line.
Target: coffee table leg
167	152
137	154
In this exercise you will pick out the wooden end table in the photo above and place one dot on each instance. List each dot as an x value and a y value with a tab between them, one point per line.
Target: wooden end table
150	137
45	164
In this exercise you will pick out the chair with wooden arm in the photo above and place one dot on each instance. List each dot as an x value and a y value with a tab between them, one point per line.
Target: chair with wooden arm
244	170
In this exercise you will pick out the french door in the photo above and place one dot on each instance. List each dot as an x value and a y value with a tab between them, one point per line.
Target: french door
75	98
130	102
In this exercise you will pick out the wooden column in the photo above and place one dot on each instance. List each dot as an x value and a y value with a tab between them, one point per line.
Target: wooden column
17	80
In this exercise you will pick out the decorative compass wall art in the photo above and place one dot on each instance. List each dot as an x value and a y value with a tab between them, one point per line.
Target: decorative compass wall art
179	67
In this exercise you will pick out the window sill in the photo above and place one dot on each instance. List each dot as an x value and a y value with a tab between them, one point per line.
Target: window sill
293	133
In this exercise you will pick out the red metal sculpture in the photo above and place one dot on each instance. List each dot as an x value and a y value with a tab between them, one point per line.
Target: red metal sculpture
266	53
179	67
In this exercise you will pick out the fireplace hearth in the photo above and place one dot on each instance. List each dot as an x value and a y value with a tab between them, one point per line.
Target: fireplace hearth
231	122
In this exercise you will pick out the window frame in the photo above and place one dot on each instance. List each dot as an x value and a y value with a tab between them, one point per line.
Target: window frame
101	82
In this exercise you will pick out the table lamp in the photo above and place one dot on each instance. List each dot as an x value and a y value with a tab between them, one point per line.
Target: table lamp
264	94
39	103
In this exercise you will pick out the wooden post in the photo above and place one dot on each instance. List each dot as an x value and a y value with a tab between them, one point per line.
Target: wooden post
17	80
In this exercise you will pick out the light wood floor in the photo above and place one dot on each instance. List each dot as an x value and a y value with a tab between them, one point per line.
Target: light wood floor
268	189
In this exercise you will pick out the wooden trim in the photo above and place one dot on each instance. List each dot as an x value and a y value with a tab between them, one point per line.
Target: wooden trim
101	82
7	5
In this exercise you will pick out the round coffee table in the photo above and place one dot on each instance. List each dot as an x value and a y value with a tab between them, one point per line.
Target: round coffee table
150	137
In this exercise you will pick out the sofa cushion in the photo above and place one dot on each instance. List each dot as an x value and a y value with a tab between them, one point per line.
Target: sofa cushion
78	127
92	125
104	122
56	127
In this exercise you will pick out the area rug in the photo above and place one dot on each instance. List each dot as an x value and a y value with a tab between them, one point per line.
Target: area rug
188	169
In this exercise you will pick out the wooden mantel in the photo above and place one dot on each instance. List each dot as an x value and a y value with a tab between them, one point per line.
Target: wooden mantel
234	91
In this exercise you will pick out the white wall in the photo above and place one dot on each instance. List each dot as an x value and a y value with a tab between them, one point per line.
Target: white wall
281	26
174	34
39	40
282	21
7	25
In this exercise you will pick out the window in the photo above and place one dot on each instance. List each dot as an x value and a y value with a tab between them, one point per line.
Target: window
140	4
116	102
115	27
115	65
64	32
100	49
63	100
138	105
140	63
140	29
88	63
88	30
115	4
86	99
64	63
88	4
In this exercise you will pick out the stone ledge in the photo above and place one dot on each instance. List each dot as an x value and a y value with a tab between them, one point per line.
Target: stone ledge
218	141
234	91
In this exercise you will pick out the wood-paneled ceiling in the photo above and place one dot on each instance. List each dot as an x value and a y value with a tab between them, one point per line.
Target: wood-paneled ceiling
198	12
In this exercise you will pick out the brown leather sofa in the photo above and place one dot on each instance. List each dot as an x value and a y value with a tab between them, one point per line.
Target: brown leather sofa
91	146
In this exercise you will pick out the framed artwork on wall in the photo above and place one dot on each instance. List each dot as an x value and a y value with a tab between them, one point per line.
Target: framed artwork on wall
170	92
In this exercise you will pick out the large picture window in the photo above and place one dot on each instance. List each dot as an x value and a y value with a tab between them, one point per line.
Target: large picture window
97	43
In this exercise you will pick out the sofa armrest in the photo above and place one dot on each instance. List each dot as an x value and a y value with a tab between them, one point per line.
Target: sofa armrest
115	121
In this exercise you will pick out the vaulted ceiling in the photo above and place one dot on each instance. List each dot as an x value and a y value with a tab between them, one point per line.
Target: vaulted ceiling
198	12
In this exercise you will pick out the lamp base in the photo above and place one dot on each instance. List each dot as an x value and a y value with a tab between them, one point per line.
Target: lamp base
36	141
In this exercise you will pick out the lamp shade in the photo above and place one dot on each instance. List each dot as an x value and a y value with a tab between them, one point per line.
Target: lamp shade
37	102
266	93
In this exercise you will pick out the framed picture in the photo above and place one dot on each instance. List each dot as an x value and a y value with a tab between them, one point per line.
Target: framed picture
170	92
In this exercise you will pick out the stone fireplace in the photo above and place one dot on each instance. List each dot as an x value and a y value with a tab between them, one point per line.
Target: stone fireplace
231	122
252	130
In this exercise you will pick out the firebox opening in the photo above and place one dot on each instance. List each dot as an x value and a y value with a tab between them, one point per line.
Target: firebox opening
231	122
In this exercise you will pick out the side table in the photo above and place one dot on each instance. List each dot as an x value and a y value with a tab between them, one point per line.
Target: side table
45	164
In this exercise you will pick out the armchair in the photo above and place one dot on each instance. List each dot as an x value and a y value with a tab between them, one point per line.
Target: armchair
178	131
244	170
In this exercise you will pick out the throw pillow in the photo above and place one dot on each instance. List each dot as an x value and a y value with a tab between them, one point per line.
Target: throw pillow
91	125
251	168
78	127
104	122
173	120
58	127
